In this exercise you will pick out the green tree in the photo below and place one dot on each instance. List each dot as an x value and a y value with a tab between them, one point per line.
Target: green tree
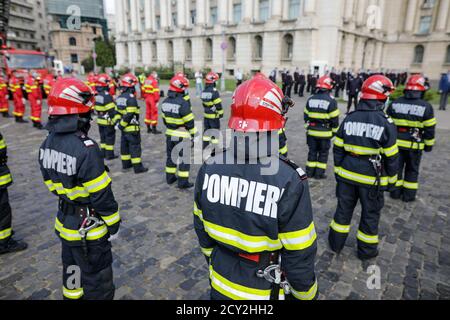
106	55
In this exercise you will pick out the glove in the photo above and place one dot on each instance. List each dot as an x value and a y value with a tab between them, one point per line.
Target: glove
428	149
115	236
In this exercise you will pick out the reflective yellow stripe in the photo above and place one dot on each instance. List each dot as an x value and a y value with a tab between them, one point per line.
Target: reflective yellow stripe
132	128
72	194
98	183
430	122
125	157
5	179
236	291
410	145
321	165
74	294
210	115
299	240
183	174
171	170
207	251
171	120
197	211
311	164
407	123
283	150
335	130
177	133
74	235
109	147
188	117
103	122
132	110
123	123
361	150
392	180
340	228
6	233
112	219
317	115
307	295
391	151
335	113
217	101
220	112
240	240
320	134
399	183
187	97
136	160
360	178
193	131
361	236
411	185
430	143
338	142
206	138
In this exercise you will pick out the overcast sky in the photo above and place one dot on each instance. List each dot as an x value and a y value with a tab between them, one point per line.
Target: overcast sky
109	5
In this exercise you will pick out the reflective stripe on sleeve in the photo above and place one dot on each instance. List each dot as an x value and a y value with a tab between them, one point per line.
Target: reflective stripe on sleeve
207	251
340	228
98	183
410	185
320	134
177	133
112	219
367	238
430	122
6	233
360	178
391	151
5	179
74	235
299	240
306	295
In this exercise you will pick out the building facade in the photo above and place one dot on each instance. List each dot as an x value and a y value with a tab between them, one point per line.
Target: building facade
262	34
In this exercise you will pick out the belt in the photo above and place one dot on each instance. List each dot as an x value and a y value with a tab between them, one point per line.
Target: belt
360	156
73	209
263	259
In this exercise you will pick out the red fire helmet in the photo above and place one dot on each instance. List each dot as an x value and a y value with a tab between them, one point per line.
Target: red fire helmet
70	96
377	87
325	82
128	80
211	77
103	80
178	83
258	105
416	83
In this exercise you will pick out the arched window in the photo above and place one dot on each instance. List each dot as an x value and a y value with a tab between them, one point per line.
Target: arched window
419	52
170	52
288	46
447	56
231	51
188	50
72	41
154	51
258	48
209	49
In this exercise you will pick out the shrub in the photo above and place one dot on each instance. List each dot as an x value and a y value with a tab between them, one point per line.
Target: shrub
430	96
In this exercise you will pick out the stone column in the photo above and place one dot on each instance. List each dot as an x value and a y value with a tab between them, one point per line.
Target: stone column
378	54
146	53
201	12
443	15
349	5
222	7
285	14
163	7
361	12
276	9
120	14
133	15
310	6
120	52
410	15
148	14
247	8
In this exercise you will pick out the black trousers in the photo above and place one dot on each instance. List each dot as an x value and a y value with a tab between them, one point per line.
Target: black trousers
296	86
211	136
336	92
408	175
130	149
371	205
444	101
317	156
107	140
174	171
5	217
90	277
354	99
308	87
288	90
301	90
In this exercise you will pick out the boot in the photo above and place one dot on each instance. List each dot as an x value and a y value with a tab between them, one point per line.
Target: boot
364	257
13	246
111	157
140	169
6	114
171	180
155	131
149	129
21	120
321	176
186	185
38	125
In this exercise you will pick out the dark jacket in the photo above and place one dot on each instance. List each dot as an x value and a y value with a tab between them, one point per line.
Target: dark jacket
321	116
178	116
5	175
444	83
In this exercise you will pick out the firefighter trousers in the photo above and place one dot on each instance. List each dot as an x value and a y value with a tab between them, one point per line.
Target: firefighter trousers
211	132
408	175
36	109
367	234
151	112
88	277
130	150
4	103
174	150
5	217
317	156
107	140
19	107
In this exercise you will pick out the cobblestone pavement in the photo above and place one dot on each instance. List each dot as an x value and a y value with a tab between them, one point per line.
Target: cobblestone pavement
157	255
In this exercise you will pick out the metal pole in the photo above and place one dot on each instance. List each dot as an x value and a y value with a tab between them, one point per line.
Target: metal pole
95	58
222	80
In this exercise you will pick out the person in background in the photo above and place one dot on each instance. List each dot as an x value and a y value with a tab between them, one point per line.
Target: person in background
198	83
444	88
238	77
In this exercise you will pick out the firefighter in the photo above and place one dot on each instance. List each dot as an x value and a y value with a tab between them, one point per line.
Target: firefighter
366	164
322	122
19	101
34	93
49	81
127	120
213	111
180	127
415	121
283	145
150	90
106	111
249	223
141	77
72	168
112	87
91	80
7	243
4	95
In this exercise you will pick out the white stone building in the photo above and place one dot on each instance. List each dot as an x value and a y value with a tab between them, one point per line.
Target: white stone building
263	34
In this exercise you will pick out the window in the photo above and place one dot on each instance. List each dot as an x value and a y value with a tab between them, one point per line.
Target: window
258	48
428	4
263	10
294	9
74	58
170	52
237	13
139	52
213	15
174	19
418	54
154	51
425	25
94	30
72	41
188	50
193	17
209	49
288	47
447	57
158	22
231	51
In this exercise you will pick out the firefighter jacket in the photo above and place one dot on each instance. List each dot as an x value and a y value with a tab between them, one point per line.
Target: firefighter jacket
321	116
212	104
415	121
5	174
127	112
72	168
151	87
105	107
32	88
365	134
177	116
15	87
3	88
240	213
49	81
